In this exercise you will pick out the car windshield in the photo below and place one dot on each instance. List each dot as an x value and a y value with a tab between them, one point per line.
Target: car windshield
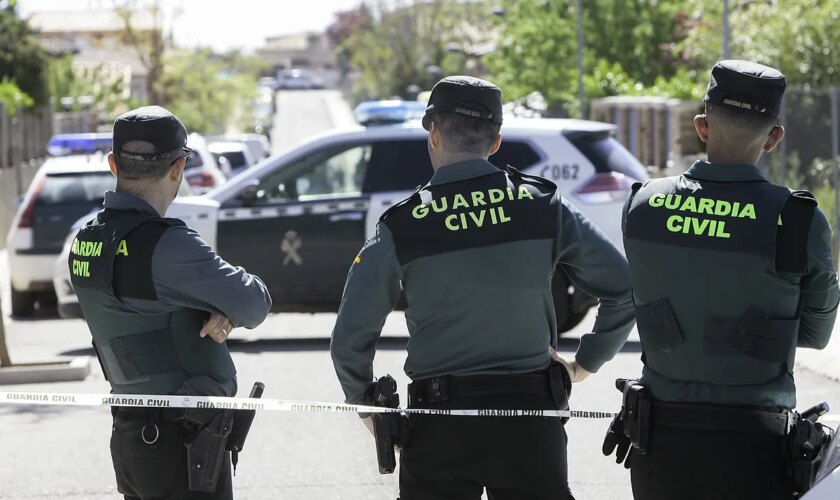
70	188
236	158
607	154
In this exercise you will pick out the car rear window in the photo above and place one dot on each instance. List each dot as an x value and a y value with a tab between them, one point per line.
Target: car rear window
607	154
71	188
194	160
519	155
236	158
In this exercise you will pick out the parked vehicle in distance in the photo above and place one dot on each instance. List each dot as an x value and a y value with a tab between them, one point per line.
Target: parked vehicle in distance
237	154
389	112
257	144
297	79
202	171
79	144
298	220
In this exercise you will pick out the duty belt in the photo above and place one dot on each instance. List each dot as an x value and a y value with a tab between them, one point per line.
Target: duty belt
149	414
438	390
722	418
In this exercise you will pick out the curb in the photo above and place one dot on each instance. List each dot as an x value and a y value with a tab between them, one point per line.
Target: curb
54	371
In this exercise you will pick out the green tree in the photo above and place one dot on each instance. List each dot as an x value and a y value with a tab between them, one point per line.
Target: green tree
22	59
414	43
106	94
12	97
629	45
199	89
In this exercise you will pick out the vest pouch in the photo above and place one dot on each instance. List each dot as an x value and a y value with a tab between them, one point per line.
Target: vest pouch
133	359
761	337
658	327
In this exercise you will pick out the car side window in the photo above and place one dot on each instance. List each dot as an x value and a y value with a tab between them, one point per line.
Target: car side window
337	172
519	155
398	166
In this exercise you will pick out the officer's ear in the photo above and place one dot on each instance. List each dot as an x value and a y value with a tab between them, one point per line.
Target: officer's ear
177	169
497	142
112	162
775	137
702	127
434	136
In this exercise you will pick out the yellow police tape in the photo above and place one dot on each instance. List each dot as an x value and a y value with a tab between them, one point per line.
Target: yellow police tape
159	401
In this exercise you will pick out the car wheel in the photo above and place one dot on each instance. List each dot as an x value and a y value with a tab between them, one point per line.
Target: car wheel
23	304
567	318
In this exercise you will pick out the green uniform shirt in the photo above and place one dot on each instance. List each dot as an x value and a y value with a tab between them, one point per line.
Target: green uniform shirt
819	300
469	323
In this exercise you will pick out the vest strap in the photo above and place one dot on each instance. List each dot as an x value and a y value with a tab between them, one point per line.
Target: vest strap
792	237
753	334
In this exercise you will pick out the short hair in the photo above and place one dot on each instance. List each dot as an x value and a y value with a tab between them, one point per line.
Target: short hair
465	133
742	121
132	169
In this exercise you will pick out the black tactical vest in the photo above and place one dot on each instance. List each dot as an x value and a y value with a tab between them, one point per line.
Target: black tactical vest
716	269
499	207
139	353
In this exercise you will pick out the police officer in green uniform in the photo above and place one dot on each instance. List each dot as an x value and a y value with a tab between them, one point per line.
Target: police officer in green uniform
160	304
731	274
474	252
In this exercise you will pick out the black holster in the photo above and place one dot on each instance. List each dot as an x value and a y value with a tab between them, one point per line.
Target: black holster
206	446
389	429
631	427
807	443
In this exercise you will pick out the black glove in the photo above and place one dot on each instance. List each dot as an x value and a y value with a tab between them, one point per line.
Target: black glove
615	440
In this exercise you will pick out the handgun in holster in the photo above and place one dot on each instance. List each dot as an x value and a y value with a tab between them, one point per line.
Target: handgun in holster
388	428
242	420
807	444
212	435
631	427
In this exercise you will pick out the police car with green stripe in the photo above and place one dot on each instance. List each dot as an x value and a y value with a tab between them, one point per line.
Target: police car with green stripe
297	220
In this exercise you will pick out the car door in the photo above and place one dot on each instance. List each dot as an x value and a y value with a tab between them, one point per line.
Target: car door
301	225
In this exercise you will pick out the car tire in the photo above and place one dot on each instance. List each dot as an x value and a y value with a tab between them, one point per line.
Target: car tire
566	317
23	304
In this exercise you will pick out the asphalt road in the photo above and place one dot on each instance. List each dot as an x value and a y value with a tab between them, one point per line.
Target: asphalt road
62	452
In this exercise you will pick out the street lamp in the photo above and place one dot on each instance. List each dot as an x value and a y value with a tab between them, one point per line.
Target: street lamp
725	29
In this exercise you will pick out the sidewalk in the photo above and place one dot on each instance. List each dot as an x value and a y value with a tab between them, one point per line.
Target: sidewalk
825	362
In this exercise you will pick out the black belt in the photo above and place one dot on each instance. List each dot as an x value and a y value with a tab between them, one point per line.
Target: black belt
722	418
438	390
149	414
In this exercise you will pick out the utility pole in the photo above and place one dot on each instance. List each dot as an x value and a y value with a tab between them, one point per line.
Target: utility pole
726	29
580	58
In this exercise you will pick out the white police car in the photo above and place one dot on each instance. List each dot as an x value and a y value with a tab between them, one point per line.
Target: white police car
297	220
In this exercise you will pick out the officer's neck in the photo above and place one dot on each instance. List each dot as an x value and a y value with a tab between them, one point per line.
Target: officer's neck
447	158
154	195
731	154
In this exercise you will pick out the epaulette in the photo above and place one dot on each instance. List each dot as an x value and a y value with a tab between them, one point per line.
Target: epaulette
533	178
401	203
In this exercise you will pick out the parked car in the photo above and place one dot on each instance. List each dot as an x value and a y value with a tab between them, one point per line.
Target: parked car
388	112
298	220
63	190
298	80
257	144
237	155
202	172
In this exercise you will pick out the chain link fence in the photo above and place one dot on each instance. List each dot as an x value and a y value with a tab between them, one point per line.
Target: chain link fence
808	157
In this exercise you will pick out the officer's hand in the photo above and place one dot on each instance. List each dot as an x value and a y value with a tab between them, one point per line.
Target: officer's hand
576	372
218	327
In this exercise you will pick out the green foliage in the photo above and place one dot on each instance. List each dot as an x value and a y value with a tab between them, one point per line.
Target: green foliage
21	57
203	94
406	38
12	97
628	49
106	92
800	37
